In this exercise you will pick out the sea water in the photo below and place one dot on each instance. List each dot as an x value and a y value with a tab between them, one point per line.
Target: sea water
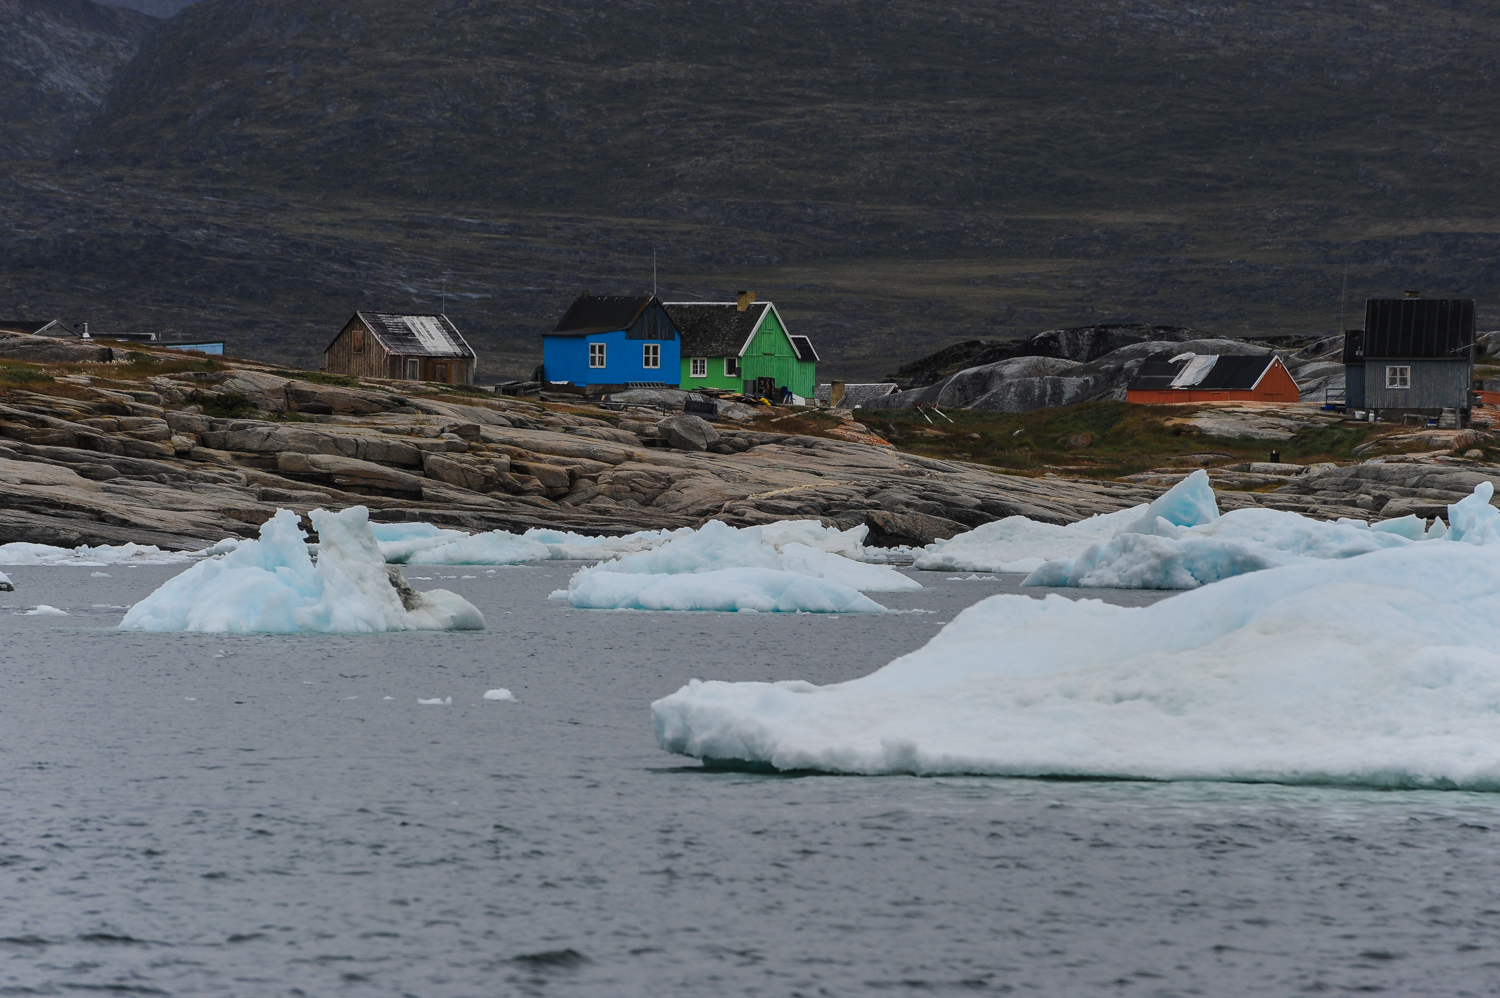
277	814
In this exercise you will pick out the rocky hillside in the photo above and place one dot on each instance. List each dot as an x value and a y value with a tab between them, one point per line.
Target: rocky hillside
156	8
896	176
58	60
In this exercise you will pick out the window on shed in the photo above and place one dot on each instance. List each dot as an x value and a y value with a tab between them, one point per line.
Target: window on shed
699	367
651	355
596	355
413	369
731	367
357	340
1398	377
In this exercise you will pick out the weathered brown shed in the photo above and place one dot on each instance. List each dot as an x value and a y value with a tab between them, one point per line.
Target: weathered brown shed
403	347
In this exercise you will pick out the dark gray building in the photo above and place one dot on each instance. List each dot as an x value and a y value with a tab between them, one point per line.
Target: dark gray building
1415	355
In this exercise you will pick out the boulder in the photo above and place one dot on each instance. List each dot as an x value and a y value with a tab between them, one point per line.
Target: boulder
463	473
349	474
554	479
265	391
889	529
45	349
688	432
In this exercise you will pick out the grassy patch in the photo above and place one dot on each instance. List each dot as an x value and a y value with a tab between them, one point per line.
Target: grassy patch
324	378
139	365
225	405
1095	439
16	375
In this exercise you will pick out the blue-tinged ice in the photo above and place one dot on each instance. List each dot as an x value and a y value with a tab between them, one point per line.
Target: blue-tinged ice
1189	503
1380	670
272	585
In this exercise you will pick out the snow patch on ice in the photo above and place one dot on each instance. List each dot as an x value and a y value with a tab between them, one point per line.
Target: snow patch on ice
761	590
272	585
1377	670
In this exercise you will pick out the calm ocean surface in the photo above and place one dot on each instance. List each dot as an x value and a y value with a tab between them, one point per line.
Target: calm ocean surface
208	815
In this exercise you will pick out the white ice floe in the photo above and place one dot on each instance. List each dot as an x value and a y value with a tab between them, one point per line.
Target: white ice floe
20	553
44	610
1159	554
436	702
500	694
1378	670
428	544
763	590
272	585
719	567
1020	544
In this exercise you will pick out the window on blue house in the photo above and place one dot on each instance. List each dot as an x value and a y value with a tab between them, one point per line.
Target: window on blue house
700	367
596	355
651	355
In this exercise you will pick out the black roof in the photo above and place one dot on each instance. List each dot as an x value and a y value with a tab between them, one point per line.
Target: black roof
602	313
715	329
1229	373
1439	328
804	348
415	335
1155	374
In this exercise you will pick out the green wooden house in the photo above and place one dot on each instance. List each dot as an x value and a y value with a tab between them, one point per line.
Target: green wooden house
743	346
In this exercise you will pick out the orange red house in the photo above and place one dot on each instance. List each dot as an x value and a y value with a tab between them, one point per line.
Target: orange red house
1212	378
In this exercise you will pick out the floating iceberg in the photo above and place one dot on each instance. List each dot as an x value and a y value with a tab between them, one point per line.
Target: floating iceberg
272	585
428	544
21	553
1380	670
763	590
1019	544
1160	554
719	567
7	586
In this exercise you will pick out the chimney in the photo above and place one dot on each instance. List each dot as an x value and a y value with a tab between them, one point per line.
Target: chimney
835	393
743	299
1414	294
85	330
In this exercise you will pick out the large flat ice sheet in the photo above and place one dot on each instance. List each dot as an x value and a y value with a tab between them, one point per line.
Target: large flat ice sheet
762	590
272	585
1382	670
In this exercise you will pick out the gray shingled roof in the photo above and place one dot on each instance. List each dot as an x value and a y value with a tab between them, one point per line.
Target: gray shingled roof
714	329
417	335
601	314
854	395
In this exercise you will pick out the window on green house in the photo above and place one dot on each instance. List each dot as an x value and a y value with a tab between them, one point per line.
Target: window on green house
699	367
731	367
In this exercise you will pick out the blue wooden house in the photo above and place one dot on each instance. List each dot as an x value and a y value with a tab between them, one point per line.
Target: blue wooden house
610	341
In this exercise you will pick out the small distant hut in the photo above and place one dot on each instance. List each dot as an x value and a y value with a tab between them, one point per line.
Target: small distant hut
403	348
1212	378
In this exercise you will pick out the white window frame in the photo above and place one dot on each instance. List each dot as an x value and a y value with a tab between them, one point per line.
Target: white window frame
597	355
651	356
1398	376
731	367
698	367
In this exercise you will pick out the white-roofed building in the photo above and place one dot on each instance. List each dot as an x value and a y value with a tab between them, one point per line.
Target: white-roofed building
401	347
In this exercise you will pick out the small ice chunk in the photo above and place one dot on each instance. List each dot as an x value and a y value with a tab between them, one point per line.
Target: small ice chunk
500	694
6	586
100	575
43	610
435	701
